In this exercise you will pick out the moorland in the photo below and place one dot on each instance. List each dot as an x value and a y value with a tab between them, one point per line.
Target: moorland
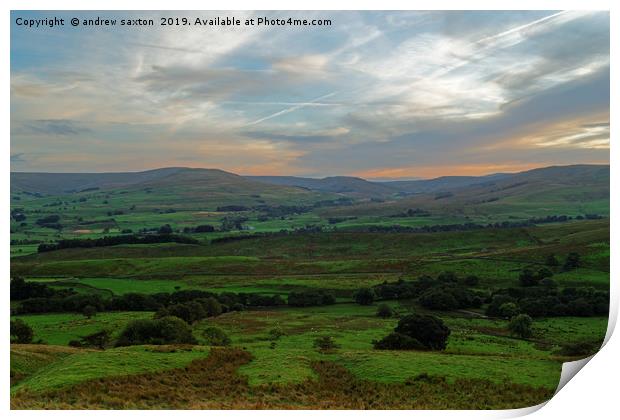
199	288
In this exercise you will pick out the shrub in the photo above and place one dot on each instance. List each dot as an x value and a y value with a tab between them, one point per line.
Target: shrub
364	296
572	261
100	339
384	311
311	298
211	306
21	332
521	326
325	343
582	348
552	261
167	330
275	333
429	330
215	336
89	311
471	280
439	299
396	341
188	312
528	278
447	277
508	310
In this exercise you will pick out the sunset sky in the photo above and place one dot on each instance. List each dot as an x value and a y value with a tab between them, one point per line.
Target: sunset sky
376	95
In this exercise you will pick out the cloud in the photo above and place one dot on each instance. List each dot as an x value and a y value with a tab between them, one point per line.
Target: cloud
55	127
376	91
17	157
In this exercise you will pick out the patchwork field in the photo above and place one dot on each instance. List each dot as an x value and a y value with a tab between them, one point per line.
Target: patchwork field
288	307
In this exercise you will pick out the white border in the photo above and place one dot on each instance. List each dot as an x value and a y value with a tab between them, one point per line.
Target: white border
593	393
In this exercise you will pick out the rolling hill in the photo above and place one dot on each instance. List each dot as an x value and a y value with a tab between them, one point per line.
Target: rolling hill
346	185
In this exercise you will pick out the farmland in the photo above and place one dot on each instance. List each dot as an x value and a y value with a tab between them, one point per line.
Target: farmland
269	242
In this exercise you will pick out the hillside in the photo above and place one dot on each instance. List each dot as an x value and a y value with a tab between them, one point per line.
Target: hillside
575	189
347	185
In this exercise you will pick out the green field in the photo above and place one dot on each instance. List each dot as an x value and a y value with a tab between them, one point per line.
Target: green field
272	359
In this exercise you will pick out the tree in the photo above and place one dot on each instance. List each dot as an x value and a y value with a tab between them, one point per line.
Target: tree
325	343
167	330
364	296
215	336
396	341
100	339
211	306
508	310
447	277
89	311
439	299
21	332
528	278
471	280
165	229
384	311
572	261
552	261
429	330
521	326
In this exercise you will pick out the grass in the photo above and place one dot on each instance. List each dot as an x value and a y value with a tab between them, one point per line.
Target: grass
59	329
85	365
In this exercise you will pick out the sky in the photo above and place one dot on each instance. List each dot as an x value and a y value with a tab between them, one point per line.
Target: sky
380	95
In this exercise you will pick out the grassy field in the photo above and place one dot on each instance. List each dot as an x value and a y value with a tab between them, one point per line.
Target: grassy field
272	360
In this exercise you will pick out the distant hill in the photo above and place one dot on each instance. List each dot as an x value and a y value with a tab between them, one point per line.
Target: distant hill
552	190
444	183
178	186
346	185
579	188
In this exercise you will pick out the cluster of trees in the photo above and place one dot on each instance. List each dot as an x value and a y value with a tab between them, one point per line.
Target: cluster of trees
192	311
311	298
232	208
416	332
18	214
165	330
542	301
445	292
38	298
116	240
199	229
412	213
233	223
51	221
471	226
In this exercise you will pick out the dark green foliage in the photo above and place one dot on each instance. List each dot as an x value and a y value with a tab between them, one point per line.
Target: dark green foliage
521	326
471	281
552	260
167	330
573	260
384	311
117	240
21	289
508	310
204	228
528	278
21	332
100	340
89	311
439	299
215	336
165	230
325	343
397	341
364	296
211	306
581	348
311	298
429	330
447	277
189	312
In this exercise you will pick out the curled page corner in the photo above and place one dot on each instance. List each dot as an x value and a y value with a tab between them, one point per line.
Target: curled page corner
569	370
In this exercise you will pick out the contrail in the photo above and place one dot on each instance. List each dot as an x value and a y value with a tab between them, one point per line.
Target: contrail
291	109
520	28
